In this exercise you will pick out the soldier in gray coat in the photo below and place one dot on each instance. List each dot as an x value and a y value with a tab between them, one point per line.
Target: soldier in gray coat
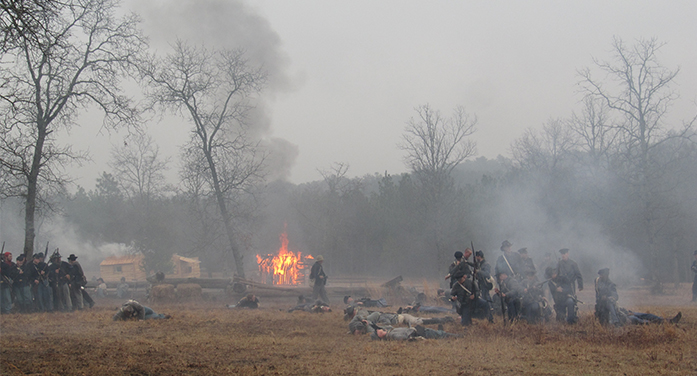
569	269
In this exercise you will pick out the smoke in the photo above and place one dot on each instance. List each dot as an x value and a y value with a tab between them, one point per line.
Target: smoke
59	233
228	24
525	215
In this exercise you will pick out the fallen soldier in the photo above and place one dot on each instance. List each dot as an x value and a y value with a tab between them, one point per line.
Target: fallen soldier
317	307
250	301
365	302
132	310
416	308
609	312
361	320
389	333
640	318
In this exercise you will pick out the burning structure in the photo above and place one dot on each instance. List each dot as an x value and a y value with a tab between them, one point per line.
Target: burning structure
285	267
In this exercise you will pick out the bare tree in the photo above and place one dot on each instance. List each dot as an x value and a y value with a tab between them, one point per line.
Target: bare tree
640	91
544	150
22	19
594	127
435	145
76	57
139	169
214	89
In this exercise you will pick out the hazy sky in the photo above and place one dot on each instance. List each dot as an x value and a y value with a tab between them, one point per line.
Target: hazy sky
353	71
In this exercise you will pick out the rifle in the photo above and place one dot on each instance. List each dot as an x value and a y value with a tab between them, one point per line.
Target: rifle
503	306
474	281
542	283
575	299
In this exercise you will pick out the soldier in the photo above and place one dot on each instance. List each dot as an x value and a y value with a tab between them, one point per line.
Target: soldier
606	299
608	312
464	292
132	310
250	301
43	295
526	263
77	282
59	280
694	282
511	292
547	261
569	269
21	285
485	282
122	288
320	280
389	333
533	298
6	267
564	302
508	262
453	267
365	302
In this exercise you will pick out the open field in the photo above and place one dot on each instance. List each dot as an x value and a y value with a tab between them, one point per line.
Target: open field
205	338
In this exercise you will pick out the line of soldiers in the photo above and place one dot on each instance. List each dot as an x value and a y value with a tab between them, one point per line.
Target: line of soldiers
519	294
37	286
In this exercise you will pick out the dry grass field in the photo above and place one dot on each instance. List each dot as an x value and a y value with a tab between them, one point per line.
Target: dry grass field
206	338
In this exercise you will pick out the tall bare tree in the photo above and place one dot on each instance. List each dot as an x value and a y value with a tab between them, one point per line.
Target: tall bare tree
74	58
214	90
639	90
434	146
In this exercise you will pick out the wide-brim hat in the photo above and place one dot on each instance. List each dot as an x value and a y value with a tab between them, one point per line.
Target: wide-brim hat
564	250
72	257
319	258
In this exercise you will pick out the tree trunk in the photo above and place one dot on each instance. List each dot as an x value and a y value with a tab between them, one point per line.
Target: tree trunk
239	266
32	189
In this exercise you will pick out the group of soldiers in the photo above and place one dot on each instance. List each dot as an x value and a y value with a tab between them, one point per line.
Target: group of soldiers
522	296
37	286
518	292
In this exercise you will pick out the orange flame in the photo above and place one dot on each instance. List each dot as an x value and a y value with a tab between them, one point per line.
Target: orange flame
286	266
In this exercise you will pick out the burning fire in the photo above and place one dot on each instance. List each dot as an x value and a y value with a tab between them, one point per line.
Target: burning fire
286	267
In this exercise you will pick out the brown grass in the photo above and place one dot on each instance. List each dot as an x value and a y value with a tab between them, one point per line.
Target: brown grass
208	339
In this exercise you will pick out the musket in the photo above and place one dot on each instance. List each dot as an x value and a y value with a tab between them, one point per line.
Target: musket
474	281
3	248
503	306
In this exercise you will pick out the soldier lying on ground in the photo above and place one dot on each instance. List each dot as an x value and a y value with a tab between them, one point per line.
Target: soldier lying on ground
250	301
390	333
608	312
640	318
317	307
417	307
132	310
365	302
362	319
